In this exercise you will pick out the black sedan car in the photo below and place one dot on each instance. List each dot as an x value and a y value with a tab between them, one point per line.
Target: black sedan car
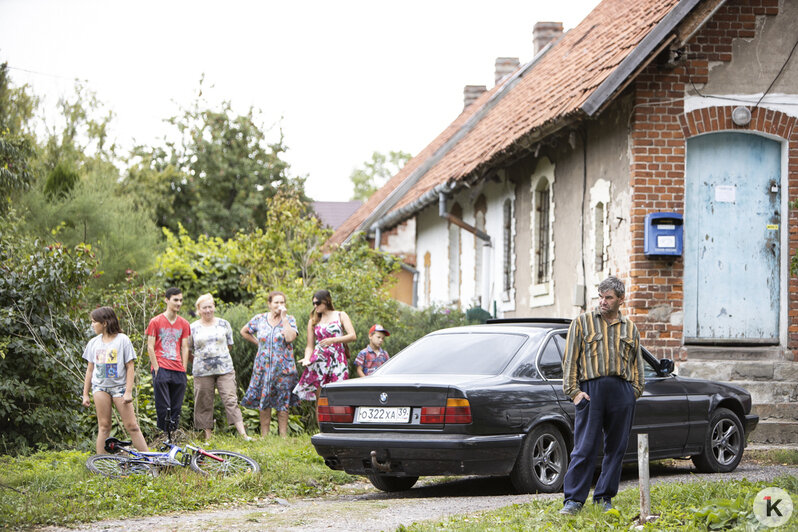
488	400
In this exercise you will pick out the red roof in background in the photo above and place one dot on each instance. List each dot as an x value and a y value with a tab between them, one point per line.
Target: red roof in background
552	89
334	213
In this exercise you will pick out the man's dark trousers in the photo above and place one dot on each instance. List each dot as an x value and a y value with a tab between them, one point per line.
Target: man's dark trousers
169	387
610	410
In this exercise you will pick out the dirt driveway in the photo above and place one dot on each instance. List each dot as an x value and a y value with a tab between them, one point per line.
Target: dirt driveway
361	507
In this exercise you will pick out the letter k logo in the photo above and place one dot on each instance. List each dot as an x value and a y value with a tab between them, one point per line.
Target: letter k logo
772	507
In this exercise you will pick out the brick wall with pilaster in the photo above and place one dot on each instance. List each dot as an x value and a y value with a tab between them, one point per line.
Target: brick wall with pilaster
660	129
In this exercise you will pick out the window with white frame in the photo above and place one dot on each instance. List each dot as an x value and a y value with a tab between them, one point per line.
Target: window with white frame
599	237
542	231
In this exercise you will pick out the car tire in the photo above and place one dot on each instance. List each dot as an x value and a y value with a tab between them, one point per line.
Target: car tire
723	443
388	483
541	466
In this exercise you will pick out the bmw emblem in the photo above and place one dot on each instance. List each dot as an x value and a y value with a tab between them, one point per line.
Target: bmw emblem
383	397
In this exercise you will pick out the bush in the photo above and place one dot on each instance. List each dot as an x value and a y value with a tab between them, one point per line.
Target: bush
43	331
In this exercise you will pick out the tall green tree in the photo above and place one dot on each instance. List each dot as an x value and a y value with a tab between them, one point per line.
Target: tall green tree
94	212
216	178
17	142
77	198
375	173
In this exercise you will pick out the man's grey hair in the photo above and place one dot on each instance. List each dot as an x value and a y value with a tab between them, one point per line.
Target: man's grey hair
612	283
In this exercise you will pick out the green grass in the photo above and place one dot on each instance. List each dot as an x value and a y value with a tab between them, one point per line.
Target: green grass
55	488
694	506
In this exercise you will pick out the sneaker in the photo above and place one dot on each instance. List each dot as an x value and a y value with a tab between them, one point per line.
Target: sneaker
571	508
246	438
605	504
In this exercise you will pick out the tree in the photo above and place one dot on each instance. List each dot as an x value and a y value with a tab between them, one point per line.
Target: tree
216	179
16	139
122	236
77	196
376	172
288	254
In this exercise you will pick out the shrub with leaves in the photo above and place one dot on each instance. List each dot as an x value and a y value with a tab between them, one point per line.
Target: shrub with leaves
206	265
43	331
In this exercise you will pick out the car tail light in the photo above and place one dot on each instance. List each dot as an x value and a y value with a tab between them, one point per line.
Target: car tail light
334	414
432	414
456	411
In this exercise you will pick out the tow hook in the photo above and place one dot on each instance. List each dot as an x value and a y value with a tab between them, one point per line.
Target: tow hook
385	466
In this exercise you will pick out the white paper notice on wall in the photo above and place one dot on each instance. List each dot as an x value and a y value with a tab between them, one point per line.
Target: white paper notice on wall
725	193
666	241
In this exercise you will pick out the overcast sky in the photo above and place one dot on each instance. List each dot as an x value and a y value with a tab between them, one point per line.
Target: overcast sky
342	78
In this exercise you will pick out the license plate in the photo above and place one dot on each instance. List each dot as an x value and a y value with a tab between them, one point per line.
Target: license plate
380	414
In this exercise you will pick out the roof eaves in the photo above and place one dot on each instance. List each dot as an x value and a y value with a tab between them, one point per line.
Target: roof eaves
377	215
630	64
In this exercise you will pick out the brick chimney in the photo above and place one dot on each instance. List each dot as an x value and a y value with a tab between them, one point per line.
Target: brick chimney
544	33
471	93
505	66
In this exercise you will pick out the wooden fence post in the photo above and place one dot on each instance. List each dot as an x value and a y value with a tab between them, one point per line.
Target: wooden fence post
645	484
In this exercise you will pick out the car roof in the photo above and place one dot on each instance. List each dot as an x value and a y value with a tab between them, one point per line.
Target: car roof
516	325
535	322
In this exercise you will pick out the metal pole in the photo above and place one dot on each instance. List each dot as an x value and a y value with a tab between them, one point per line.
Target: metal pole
645	485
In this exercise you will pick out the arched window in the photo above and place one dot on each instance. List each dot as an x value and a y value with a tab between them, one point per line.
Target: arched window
454	256
427	280
599	243
480	209
507	250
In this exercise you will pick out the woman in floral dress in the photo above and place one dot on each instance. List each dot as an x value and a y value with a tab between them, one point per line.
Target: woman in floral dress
274	375
325	354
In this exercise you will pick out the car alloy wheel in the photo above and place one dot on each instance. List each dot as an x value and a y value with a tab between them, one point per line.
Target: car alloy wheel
542	463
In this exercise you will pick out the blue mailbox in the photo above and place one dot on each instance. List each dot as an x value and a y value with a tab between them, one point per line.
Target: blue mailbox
664	235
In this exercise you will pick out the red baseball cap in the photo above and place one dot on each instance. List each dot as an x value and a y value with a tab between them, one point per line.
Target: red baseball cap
378	328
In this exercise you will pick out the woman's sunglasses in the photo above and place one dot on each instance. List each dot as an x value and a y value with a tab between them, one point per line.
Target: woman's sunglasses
316	303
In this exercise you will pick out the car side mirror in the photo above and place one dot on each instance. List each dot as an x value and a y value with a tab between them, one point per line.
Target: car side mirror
666	366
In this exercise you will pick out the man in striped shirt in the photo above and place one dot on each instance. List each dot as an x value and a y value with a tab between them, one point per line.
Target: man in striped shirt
603	375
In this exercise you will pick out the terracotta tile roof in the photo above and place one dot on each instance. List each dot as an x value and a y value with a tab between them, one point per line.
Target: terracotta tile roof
552	89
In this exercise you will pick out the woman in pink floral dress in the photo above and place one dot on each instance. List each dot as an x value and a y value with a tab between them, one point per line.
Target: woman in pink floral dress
325	354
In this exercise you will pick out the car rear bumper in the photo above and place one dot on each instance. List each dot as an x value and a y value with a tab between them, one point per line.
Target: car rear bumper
419	454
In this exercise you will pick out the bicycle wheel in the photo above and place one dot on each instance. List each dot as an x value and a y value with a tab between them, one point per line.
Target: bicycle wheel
231	464
112	466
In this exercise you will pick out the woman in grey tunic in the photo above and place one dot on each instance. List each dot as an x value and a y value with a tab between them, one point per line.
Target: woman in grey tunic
213	368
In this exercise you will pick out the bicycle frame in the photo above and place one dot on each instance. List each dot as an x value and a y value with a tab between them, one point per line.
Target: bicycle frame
160	458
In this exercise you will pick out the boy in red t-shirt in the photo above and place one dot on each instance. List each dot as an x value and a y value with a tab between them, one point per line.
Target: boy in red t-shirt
167	345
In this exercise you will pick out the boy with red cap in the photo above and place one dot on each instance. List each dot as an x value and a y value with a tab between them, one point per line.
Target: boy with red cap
373	356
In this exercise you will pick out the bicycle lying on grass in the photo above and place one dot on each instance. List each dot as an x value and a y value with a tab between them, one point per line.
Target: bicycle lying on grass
124	460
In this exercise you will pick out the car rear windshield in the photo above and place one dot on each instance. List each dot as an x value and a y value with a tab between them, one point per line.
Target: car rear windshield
456	353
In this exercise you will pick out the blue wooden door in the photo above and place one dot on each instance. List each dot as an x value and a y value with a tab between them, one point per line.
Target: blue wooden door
732	252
